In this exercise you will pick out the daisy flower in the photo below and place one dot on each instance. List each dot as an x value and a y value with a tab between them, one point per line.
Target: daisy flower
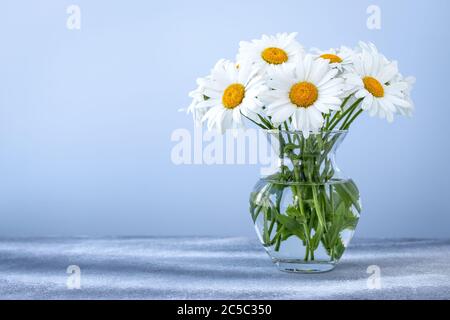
341	58
338	58
270	50
232	91
198	107
303	93
410	81
198	97
376	82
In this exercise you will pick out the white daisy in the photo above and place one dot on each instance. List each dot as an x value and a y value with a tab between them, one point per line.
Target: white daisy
410	81
270	51
197	108
339	58
375	80
303	93
232	91
197	96
369	47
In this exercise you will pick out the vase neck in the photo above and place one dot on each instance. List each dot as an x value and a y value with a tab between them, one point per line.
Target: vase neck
307	159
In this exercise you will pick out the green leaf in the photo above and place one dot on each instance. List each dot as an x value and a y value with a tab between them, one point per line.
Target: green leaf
289	147
255	213
292	225
337	223
349	193
338	249
265	122
315	240
293	212
289	223
350	221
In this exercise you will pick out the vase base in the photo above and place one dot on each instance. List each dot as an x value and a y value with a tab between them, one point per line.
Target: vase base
300	266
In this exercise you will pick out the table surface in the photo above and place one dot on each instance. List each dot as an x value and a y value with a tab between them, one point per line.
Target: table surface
214	268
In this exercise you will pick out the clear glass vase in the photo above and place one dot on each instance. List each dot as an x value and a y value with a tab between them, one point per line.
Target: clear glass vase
305	211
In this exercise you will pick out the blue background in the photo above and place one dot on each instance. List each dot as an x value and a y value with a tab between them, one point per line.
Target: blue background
86	116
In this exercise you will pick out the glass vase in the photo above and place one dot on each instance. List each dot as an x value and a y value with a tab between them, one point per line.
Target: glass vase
305	211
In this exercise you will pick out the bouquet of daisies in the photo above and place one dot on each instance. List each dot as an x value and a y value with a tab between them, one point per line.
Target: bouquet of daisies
307	100
274	83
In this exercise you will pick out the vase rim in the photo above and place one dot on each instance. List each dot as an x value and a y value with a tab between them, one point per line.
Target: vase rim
299	131
334	181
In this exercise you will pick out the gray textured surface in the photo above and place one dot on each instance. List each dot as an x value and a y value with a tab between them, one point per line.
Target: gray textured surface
214	268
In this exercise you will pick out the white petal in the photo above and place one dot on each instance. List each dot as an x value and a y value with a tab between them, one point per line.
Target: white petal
283	113
362	93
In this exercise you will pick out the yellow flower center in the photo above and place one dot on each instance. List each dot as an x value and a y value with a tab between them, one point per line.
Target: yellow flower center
303	94
274	55
332	57
233	95
373	86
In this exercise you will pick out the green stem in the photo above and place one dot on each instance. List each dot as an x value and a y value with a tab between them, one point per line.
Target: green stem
272	224
306	253
338	112
278	241
353	119
266	122
349	115
318	209
298	193
258	124
355	106
345	113
287	130
315	210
